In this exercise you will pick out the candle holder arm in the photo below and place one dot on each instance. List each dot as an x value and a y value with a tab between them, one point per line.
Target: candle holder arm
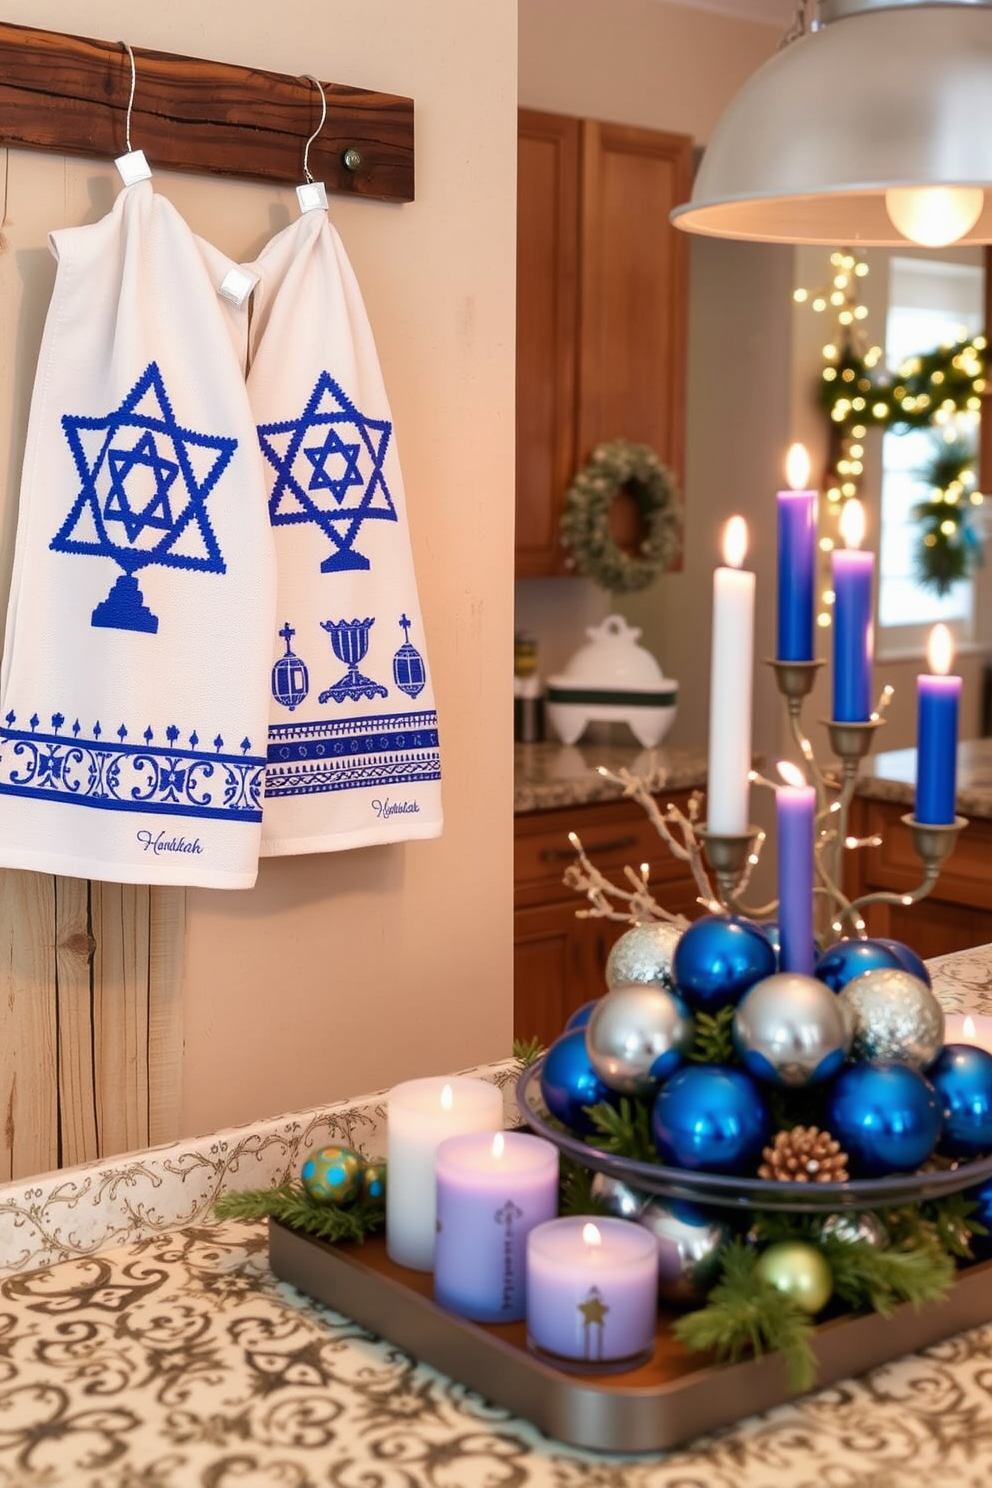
933	844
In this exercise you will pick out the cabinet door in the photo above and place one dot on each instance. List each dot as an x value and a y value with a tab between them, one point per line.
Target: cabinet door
557	966
633	277
547	294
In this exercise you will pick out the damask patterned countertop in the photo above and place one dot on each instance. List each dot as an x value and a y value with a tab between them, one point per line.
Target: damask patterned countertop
892	777
161	1352
549	775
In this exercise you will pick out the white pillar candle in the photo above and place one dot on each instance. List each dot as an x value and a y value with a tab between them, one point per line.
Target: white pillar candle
420	1114
728	785
968	1028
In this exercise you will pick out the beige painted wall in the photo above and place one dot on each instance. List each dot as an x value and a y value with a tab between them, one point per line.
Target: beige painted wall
342	973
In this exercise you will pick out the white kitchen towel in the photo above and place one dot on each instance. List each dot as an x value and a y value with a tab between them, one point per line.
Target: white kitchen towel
353	754
134	683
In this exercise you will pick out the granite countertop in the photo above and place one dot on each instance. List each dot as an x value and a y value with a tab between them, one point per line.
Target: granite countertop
892	777
549	775
177	1358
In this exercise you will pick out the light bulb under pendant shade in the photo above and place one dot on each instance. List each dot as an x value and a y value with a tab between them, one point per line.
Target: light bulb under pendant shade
885	97
934	216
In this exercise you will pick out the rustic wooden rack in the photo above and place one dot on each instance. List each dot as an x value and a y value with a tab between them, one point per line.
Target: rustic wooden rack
70	94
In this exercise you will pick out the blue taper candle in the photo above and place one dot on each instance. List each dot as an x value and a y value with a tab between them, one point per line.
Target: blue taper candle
937	697
796	562
853	576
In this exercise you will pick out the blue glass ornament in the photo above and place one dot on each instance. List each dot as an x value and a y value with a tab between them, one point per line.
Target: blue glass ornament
981	1197
849	958
962	1078
581	1016
886	1117
569	1082
710	1117
907	958
718	958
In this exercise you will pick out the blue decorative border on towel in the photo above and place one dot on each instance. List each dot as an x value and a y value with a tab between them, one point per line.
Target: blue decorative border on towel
352	753
112	775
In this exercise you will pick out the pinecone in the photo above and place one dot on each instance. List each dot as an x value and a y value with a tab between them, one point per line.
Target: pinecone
804	1155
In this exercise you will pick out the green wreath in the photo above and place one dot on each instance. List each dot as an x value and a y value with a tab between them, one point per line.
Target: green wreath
585	523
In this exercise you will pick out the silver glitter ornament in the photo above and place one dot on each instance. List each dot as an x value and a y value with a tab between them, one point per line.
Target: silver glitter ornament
689	1240
893	1017
852	1226
790	1030
637	1036
643	954
617	1197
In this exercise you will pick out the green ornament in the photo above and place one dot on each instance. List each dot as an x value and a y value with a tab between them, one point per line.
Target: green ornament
333	1175
798	1270
374	1182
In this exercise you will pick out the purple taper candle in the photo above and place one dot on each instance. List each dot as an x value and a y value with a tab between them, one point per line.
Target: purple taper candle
795	810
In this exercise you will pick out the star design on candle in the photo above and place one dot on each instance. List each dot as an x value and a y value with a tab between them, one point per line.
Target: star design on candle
335	479
593	1309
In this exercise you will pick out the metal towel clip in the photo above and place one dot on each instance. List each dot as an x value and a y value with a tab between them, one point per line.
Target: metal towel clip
312	195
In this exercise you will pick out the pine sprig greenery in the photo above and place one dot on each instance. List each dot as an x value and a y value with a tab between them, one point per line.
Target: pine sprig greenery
291	1204
867	1278
624	1129
745	1314
714	1044
527	1051
575	1195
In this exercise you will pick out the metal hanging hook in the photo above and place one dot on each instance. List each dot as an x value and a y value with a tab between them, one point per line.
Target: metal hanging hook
308	77
130	102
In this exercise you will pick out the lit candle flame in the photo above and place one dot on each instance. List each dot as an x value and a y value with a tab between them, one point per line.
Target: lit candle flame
797	467
790	773
940	650
968	1027
735	542
498	1145
447	1098
590	1235
852	523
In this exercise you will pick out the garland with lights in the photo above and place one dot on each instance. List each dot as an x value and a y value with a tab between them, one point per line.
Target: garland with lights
585	524
939	389
951	546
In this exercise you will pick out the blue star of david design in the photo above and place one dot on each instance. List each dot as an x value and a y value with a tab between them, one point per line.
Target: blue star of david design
348	451
143	486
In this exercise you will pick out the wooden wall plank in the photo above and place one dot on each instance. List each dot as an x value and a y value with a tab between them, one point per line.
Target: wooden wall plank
119	919
70	93
166	935
28	1073
74	946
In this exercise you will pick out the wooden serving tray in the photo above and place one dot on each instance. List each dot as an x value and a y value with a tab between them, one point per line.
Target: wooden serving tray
668	1400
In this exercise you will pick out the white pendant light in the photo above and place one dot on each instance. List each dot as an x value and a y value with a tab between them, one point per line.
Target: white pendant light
870	128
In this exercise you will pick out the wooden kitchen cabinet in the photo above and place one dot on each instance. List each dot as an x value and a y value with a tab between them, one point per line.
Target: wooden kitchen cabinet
601	309
956	915
559	959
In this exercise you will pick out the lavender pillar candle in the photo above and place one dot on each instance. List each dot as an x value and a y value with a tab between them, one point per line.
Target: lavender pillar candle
491	1192
592	1291
795	811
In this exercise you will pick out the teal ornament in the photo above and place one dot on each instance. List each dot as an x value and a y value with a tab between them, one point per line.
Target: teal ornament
962	1078
798	1270
643	954
374	1183
710	1118
333	1175
907	958
718	959
893	1017
569	1083
789	1030
690	1240
886	1117
637	1036
841	962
